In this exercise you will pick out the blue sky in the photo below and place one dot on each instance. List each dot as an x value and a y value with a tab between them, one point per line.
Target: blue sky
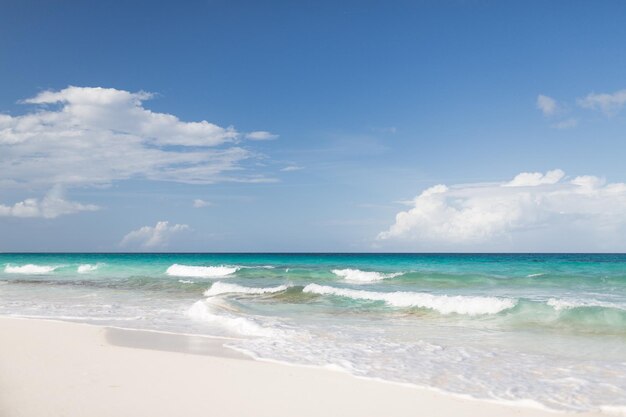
362	107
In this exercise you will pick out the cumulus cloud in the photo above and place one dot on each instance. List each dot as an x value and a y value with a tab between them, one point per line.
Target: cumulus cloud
608	103
547	105
153	237
198	203
261	135
51	206
531	179
485	212
91	136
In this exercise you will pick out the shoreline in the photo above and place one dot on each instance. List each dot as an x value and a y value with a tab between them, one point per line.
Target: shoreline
54	368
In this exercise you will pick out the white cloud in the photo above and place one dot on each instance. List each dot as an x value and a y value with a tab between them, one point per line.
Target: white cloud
260	135
153	237
51	206
547	105
121	111
90	136
467	214
531	179
198	203
565	124
291	168
608	103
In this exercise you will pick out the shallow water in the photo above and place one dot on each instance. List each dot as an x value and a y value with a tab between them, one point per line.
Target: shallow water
548	330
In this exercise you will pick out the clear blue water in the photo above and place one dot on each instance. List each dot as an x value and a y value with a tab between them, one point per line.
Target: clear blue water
544	330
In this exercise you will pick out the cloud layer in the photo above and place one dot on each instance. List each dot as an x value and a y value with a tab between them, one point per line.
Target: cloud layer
89	136
51	206
152	237
475	213
609	103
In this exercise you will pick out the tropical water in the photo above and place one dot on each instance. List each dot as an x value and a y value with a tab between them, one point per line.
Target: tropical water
540	330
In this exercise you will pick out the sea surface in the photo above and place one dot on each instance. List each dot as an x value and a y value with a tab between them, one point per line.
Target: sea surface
539	330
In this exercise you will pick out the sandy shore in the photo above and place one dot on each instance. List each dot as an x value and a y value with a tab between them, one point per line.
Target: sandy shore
72	370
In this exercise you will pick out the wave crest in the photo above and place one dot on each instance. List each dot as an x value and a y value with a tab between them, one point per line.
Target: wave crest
85	268
358	276
29	269
444	304
223	288
201	271
562	304
203	311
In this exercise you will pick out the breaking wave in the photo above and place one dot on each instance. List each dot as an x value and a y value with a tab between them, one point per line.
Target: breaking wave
358	276
203	311
29	269
444	304
85	268
223	288
201	271
564	304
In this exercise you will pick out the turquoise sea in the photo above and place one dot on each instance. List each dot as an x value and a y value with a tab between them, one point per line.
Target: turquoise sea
544	330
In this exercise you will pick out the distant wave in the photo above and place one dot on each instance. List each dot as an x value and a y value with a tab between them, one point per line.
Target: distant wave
86	268
444	304
201	271
566	304
223	288
29	269
535	275
203	311
257	267
358	276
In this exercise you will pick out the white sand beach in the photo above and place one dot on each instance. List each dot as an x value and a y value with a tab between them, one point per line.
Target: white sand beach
73	370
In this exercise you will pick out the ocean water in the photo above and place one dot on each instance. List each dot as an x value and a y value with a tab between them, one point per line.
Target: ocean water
539	330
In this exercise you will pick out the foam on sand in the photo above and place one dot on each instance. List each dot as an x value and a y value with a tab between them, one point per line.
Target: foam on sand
224	288
201	271
358	276
444	304
29	269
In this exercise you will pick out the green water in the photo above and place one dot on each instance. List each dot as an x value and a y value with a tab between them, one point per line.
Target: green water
547	330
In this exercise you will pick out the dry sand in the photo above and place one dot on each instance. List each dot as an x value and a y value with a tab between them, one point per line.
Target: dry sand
72	370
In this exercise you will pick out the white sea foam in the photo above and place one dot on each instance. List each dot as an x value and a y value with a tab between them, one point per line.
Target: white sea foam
358	276
614	410
201	271
86	268
444	304
535	275
185	281
223	288
29	269
203	311
566	304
